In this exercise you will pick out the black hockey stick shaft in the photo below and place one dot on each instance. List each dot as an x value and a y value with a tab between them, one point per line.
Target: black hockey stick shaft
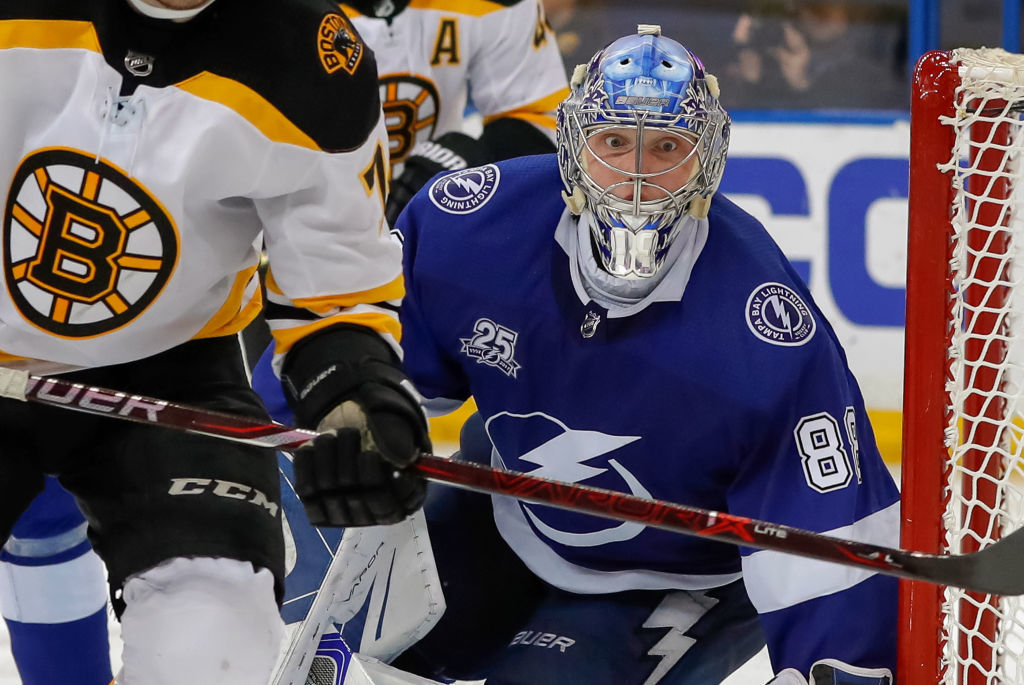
997	569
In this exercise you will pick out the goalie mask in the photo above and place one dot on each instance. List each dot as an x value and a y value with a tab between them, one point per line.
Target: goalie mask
642	140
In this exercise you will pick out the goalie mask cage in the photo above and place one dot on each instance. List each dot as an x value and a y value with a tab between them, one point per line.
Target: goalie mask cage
963	467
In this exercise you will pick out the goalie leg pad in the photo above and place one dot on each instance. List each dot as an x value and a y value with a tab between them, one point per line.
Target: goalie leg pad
389	591
379	583
489	592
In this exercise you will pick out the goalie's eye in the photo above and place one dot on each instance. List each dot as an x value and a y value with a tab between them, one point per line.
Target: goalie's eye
667	145
611	143
614	142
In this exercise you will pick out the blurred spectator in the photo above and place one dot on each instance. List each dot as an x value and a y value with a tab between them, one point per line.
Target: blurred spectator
560	14
971	24
783	54
754	78
820	54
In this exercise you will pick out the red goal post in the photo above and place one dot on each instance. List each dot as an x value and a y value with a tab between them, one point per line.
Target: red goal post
963	426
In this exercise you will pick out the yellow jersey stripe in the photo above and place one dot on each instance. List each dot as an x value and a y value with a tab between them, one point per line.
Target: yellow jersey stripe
48	35
234	315
395	290
285	338
269	282
473	8
540	112
250	105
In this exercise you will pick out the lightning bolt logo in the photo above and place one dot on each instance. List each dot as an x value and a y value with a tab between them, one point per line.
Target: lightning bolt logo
781	313
678	612
563	457
469	184
777	314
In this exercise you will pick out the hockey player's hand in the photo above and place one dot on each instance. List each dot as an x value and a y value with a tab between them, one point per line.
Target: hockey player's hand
450	152
354	473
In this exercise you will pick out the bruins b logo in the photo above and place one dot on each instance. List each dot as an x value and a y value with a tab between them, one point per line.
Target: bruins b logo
410	105
86	249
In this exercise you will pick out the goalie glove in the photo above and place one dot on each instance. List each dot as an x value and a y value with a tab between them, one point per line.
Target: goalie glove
834	672
346	382
450	152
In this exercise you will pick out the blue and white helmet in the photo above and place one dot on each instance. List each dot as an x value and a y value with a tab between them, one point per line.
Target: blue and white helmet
641	83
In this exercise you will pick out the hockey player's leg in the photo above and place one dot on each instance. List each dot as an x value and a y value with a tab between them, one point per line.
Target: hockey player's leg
183	520
200	620
54	596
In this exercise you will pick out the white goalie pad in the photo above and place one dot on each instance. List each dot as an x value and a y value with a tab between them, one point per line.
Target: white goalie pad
389	594
381	592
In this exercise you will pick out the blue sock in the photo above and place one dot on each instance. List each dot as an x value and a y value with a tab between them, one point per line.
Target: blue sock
53	595
72	653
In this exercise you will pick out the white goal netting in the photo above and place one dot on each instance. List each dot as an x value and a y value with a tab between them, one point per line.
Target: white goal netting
983	636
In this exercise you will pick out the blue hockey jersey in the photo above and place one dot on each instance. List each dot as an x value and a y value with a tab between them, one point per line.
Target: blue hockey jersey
735	397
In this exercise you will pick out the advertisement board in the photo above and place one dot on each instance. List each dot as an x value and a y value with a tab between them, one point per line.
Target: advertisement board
832	191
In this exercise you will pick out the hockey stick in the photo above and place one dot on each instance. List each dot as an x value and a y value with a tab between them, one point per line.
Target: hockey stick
997	569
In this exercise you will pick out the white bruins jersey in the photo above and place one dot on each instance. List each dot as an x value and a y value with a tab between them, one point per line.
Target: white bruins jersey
143	160
437	53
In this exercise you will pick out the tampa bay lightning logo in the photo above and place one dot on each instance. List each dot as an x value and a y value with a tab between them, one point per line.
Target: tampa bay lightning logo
776	314
465	191
551	449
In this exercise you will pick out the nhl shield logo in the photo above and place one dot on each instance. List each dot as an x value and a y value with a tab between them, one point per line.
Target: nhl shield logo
777	315
465	191
138	64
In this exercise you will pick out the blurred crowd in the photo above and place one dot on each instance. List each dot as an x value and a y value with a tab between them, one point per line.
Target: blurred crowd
784	54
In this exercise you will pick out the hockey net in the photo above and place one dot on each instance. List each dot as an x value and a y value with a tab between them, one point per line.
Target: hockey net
963	466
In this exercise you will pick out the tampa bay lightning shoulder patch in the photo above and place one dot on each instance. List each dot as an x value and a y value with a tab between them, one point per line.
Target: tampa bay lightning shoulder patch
776	314
465	191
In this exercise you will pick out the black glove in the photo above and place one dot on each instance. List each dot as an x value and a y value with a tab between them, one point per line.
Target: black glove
450	152
354	473
341	483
